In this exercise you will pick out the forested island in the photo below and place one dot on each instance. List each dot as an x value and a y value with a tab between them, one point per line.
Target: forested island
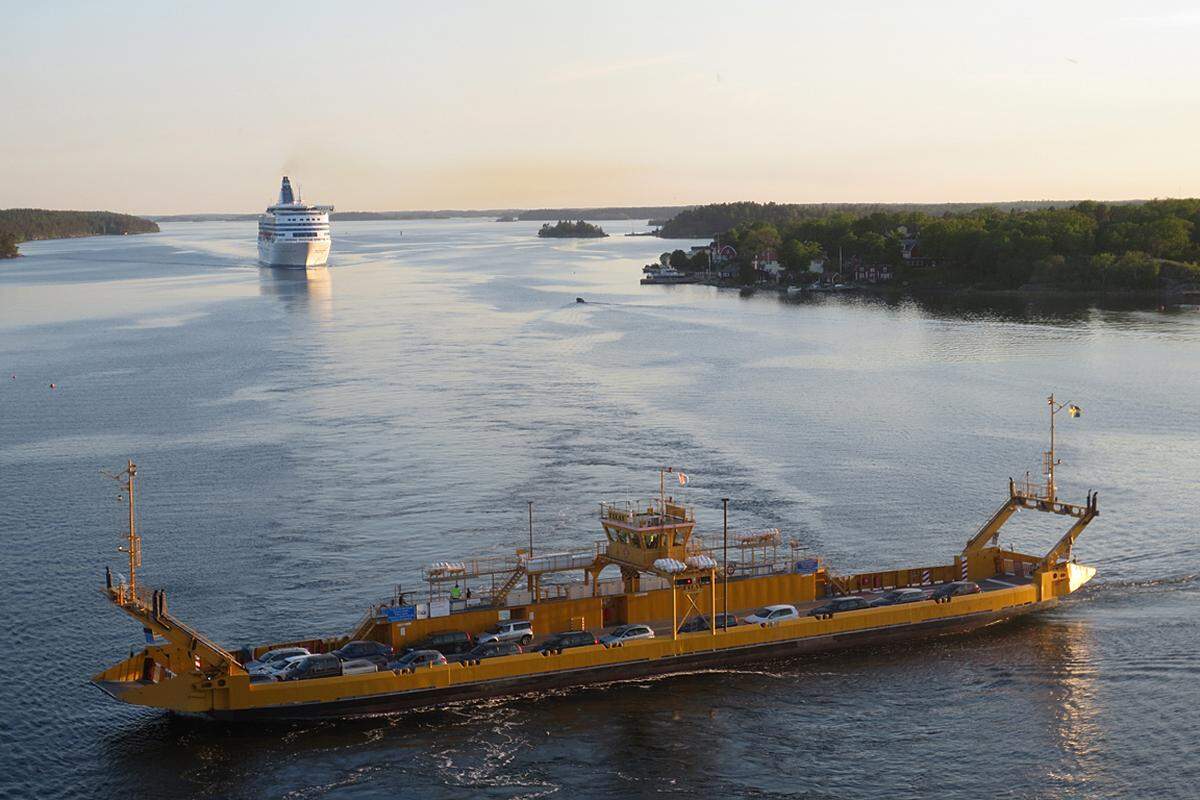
565	229
1087	246
708	220
30	224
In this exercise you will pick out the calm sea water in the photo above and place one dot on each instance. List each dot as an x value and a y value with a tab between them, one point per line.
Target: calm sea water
305	444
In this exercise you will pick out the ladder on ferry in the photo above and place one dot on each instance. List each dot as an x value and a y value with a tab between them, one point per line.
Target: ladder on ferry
509	584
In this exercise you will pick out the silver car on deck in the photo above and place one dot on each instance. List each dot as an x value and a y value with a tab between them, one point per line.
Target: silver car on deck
514	630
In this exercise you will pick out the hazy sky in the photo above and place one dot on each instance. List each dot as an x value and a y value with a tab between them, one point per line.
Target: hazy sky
165	107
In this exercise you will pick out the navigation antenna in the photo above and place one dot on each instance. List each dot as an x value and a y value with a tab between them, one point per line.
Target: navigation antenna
1049	462
134	546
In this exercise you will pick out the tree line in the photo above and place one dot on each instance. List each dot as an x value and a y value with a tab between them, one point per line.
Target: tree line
609	212
30	224
1086	246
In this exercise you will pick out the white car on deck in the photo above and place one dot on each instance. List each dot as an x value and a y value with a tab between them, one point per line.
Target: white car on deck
273	660
276	670
627	633
772	614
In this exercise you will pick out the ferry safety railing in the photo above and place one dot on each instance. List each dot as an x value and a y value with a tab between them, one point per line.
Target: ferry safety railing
1030	486
643	512
754	553
895	578
480	566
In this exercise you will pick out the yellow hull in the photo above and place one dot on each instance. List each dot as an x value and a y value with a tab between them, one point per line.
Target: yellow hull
188	673
233	696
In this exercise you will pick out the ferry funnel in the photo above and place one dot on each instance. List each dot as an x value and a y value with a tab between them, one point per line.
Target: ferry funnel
286	195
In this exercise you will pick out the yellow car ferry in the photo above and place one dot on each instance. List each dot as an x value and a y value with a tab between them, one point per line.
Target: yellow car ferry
667	577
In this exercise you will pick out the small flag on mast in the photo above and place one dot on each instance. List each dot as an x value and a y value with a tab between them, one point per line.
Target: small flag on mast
683	479
1074	410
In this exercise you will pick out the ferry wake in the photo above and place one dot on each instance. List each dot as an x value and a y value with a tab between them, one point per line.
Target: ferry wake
653	597
292	234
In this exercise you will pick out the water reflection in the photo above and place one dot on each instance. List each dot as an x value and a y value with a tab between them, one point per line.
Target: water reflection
300	289
1034	680
1049	309
1066	651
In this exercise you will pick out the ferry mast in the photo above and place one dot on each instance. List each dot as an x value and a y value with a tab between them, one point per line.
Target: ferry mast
133	547
1050	461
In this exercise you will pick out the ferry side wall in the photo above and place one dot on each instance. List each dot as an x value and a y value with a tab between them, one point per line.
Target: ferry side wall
597	612
800	634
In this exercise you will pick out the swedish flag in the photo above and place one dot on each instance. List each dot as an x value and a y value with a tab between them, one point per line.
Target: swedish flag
1074	410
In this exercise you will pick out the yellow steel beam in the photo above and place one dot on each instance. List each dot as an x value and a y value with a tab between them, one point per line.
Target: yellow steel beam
1064	545
992	526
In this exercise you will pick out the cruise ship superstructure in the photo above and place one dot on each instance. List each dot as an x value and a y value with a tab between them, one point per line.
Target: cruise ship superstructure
293	234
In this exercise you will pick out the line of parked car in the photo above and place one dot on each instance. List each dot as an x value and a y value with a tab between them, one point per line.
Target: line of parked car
516	636
778	613
443	647
297	663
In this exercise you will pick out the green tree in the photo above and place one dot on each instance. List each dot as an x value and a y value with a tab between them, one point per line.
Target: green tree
31	224
759	239
679	260
1169	237
8	245
746	273
797	255
1089	246
1135	271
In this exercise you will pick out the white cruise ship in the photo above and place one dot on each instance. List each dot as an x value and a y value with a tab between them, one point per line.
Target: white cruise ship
292	234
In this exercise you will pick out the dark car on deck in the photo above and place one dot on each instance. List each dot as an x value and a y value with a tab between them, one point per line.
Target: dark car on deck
448	643
897	597
839	604
488	650
323	665
701	623
418	658
954	589
567	640
377	653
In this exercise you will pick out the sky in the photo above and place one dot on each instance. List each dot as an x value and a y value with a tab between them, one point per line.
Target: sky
172	108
